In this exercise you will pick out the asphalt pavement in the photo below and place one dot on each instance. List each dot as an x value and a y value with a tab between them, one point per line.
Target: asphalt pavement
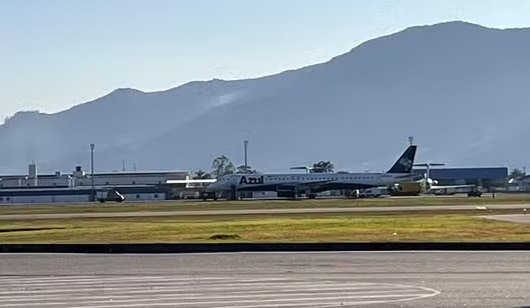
265	211
342	279
517	218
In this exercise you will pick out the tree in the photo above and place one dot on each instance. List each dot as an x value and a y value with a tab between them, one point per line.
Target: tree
323	167
202	175
222	166
517	173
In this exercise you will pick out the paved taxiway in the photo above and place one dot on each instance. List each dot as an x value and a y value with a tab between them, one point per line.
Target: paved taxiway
518	218
264	211
343	279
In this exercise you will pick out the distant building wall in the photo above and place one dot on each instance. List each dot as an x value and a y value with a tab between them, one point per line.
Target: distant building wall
80	179
520	185
21	199
145	196
487	177
24	182
12	196
131	178
76	187
264	194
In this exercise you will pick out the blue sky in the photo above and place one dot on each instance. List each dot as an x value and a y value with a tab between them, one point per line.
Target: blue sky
58	53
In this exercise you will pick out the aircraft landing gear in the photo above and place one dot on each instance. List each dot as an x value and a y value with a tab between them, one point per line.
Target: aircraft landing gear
209	195
310	195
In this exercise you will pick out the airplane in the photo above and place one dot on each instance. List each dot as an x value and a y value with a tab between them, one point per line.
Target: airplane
431	188
290	185
430	185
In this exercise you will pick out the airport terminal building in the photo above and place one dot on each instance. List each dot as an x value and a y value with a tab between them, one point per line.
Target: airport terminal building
77	186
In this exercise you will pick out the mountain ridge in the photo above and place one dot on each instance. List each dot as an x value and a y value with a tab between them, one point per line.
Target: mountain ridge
394	80
215	79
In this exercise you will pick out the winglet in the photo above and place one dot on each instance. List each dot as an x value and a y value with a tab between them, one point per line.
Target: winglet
405	163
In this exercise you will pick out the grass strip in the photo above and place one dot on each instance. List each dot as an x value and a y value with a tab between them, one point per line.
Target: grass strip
398	226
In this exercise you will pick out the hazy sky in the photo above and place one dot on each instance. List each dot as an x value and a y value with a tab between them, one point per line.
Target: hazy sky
58	53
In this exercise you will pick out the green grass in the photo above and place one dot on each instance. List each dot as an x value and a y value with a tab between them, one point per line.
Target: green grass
397	226
260	204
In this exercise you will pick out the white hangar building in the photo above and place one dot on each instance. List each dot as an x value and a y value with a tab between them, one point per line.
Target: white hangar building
77	186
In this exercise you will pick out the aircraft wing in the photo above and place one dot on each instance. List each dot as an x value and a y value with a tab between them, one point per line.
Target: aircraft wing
452	186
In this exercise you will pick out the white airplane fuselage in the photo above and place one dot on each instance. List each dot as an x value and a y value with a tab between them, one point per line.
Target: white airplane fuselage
318	182
315	182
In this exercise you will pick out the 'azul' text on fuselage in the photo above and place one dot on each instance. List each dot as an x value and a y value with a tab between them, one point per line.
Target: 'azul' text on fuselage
251	180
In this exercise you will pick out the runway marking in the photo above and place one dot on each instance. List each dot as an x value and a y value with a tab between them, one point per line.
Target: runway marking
142	290
221	299
178	291
205	295
179	281
141	284
99	278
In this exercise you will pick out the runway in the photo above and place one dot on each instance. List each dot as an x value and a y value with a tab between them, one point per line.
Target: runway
263	211
342	279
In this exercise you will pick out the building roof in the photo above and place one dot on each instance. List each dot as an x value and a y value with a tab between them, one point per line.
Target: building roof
488	173
144	173
107	174
40	176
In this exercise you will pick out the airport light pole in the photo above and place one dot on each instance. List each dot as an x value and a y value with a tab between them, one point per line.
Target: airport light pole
92	147
245	143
